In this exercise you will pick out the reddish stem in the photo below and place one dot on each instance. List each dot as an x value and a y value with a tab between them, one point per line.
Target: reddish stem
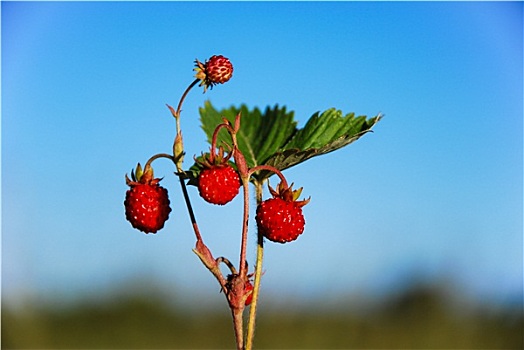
272	169
243	245
201	249
179	108
156	156
212	153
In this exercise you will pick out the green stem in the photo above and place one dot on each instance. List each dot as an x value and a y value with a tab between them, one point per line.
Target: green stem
258	275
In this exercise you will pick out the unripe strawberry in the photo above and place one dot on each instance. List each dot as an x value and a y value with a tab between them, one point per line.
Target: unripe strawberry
280	219
146	203
217	70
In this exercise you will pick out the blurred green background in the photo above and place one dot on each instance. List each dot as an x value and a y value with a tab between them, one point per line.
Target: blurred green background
421	316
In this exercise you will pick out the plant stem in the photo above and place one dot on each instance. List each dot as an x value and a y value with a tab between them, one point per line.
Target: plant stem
201	249
160	155
258	274
176	115
228	264
269	168
179	108
239	331
245	221
190	210
238	310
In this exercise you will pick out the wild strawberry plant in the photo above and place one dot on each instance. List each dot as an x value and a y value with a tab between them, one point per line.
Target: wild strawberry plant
248	146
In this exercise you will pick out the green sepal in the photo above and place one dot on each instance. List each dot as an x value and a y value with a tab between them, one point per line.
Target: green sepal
138	172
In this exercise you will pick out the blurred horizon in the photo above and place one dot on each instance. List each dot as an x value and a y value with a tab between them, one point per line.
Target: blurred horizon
142	316
208	295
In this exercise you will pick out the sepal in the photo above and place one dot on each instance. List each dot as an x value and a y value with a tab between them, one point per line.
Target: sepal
142	176
288	194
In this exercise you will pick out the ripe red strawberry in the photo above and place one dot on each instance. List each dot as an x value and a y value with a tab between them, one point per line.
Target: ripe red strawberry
280	218
218	184
217	70
146	202
248	288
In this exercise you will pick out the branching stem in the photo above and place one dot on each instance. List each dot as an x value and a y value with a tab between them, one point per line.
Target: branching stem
201	249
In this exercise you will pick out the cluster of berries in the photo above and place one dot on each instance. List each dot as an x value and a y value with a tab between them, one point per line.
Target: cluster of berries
218	179
279	219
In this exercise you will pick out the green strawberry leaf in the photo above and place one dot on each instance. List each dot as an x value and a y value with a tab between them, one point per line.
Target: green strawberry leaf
322	134
272	138
261	134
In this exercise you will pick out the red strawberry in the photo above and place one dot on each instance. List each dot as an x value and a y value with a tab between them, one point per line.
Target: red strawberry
248	288
217	70
218	184
146	202
280	218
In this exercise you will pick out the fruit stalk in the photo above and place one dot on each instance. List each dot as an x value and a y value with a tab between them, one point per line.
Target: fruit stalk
159	155
272	169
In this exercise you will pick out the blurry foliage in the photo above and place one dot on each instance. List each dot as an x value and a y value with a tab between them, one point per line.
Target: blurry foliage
419	318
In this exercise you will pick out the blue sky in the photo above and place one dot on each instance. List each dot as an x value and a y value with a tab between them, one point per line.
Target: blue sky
434	193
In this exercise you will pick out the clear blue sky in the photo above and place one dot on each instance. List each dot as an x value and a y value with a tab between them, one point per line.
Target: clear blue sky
435	192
